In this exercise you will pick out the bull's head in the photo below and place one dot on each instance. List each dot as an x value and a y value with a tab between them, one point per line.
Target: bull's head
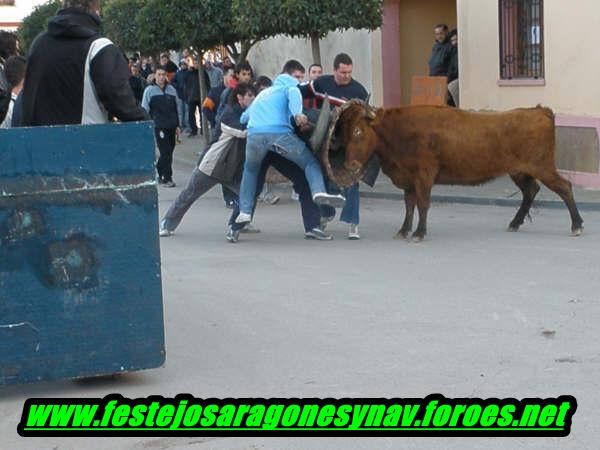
351	141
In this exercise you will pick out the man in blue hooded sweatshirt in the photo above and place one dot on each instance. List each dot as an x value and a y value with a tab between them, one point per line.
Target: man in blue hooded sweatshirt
270	128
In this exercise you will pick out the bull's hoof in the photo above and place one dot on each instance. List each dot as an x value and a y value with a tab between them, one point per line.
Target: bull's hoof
417	238
401	235
512	229
577	232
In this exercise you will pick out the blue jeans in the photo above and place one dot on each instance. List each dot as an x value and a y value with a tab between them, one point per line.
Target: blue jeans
291	148
310	211
350	212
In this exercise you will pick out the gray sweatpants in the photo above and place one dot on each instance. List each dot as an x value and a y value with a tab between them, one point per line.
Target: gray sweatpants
199	184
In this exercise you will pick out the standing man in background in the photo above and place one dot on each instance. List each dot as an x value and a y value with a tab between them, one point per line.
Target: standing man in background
160	100
440	53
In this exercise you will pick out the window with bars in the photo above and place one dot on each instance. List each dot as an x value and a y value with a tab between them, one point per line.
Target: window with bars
521	39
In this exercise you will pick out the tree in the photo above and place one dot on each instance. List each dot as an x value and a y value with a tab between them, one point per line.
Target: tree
306	18
156	27
36	22
120	26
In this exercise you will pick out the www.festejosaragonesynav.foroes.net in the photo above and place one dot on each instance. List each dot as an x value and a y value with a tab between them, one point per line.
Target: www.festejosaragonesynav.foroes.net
185	415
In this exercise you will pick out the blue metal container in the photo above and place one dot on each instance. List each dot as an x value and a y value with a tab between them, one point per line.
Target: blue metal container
80	282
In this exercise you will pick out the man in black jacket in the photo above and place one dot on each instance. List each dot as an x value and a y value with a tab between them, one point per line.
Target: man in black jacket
440	53
137	83
192	92
74	75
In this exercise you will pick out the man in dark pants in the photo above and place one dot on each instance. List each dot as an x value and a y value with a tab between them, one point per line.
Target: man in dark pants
160	100
192	91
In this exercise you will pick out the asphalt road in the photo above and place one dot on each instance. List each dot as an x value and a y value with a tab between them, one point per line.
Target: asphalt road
473	311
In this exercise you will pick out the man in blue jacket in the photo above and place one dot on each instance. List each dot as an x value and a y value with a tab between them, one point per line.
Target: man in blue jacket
269	121
160	100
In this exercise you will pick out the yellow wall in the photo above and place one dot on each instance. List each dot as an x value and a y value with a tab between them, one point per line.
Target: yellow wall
571	68
417	19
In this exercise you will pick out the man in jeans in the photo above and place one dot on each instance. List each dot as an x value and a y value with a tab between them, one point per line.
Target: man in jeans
339	88
269	121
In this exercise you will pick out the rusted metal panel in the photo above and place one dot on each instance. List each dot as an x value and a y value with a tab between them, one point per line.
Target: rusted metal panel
80	281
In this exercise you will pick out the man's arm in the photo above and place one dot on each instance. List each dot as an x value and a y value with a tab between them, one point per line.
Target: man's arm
146	99
294	101
111	79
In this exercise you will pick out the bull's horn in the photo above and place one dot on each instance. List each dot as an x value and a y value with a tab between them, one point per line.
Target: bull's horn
370	112
368	99
322	126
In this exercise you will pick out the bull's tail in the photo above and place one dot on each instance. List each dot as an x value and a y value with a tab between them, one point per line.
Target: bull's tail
547	111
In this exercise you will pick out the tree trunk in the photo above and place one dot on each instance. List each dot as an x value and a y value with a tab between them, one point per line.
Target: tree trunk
246	46
316	48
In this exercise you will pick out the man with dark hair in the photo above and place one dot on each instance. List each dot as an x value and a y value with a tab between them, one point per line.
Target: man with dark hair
168	66
453	69
340	87
192	92
15	75
74	75
137	83
179	83
160	101
270	129
440	53
315	71
9	46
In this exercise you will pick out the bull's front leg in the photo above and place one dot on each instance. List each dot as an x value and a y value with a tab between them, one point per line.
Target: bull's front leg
423	199
409	202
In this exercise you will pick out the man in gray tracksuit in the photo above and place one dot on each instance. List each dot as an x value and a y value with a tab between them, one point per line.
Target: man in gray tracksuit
160	100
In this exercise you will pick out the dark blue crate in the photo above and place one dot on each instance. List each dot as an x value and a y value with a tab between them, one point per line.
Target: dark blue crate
80	282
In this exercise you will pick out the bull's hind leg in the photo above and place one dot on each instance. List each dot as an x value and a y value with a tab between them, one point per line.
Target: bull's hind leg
529	187
565	191
423	198
410	200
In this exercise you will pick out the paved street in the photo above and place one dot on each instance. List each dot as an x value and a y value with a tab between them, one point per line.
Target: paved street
472	311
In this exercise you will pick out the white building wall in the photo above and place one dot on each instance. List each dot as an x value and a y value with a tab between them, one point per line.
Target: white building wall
571	59
15	14
364	47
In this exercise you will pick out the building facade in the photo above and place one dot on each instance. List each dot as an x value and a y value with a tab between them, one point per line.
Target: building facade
12	12
512	53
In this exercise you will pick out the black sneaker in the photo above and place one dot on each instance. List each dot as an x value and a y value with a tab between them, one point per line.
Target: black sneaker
318	234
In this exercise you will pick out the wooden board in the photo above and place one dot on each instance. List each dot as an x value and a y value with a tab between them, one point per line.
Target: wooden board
429	91
80	281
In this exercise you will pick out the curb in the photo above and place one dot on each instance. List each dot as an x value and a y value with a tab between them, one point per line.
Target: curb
484	201
550	204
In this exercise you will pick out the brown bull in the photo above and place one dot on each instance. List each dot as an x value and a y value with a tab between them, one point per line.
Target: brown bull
420	146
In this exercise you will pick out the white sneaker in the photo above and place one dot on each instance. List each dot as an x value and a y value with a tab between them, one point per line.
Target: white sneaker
323	198
243	218
163	232
353	234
